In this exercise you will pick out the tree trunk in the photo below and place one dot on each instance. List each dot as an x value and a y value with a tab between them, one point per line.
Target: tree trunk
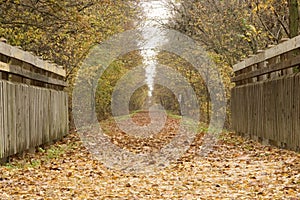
293	26
293	18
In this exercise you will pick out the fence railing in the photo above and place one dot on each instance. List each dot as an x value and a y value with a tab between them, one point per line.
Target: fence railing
33	105
265	102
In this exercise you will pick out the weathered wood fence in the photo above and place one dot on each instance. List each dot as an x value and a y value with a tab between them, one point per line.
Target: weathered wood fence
266	99
33	105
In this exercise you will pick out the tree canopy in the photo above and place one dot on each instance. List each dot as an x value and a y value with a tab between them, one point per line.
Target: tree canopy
61	30
234	29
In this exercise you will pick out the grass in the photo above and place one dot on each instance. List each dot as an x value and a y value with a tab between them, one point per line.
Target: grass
173	116
23	164
44	155
202	127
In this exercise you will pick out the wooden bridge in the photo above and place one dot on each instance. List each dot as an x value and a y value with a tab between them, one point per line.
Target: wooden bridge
266	100
33	105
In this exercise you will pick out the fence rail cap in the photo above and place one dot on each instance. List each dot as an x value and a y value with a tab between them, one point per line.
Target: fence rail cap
286	46
17	53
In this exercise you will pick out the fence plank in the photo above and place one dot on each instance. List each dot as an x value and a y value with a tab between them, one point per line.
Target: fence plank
19	119
30	116
27	116
5	120
269	110
2	132
296	114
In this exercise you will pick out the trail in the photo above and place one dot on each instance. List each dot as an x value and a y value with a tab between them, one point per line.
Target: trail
235	169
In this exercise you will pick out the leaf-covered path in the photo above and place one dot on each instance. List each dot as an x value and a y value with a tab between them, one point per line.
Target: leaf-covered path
236	169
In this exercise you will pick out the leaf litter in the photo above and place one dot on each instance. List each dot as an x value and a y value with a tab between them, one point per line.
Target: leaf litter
236	168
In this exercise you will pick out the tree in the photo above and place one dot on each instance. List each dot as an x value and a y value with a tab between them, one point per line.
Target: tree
229	30
109	79
232	29
293	18
61	30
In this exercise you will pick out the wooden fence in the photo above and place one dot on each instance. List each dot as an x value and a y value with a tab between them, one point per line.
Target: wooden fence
265	102
33	105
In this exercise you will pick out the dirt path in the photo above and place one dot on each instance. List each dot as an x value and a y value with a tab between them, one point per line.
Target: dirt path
236	169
